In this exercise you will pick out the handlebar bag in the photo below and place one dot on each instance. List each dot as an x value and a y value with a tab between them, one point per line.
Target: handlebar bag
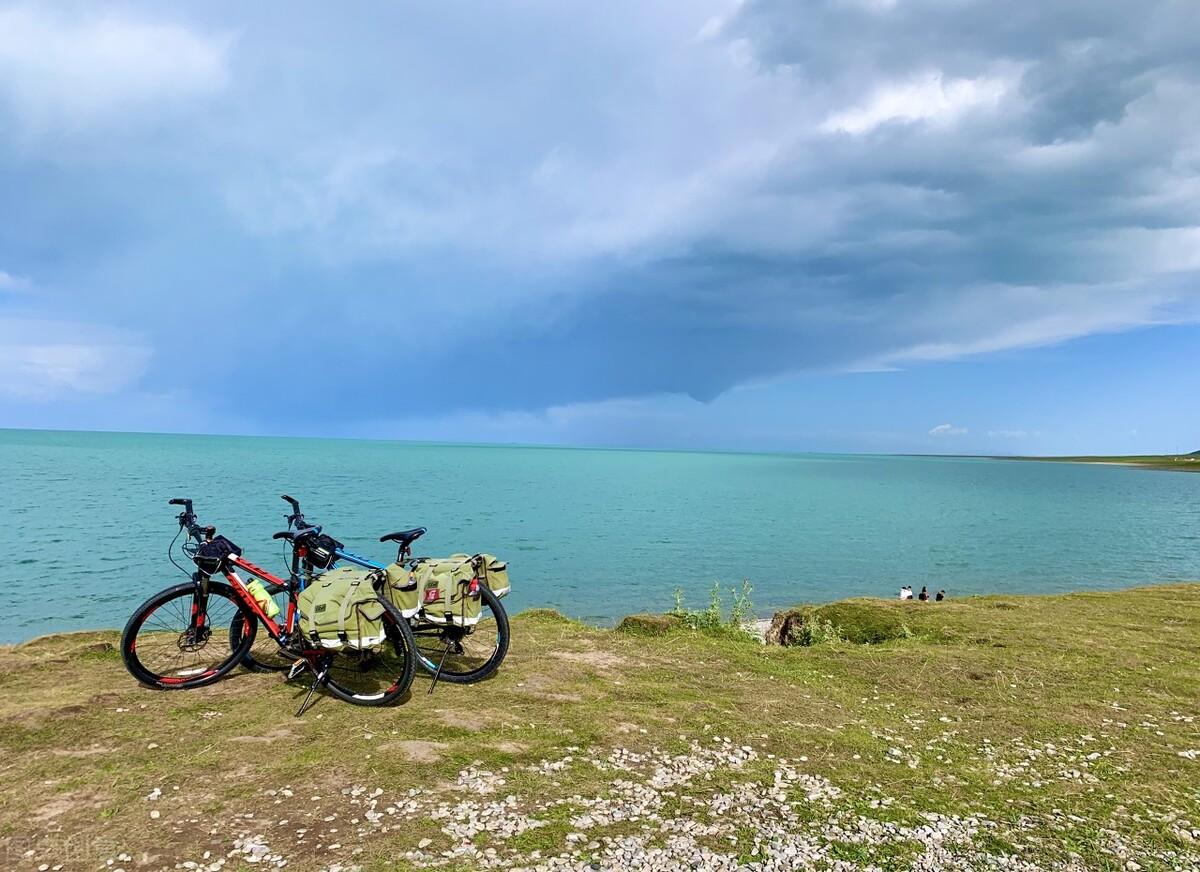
211	555
341	610
319	551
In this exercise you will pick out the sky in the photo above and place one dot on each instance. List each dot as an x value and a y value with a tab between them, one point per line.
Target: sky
953	226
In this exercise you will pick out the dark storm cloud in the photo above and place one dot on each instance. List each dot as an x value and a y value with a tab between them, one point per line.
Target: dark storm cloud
545	206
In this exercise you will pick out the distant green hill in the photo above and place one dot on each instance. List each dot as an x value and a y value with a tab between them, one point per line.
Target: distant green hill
1180	462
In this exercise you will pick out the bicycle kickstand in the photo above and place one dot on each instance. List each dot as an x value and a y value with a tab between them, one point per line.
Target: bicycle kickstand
318	679
438	672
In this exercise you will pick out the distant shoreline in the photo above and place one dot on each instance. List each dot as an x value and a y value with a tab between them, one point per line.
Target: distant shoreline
1170	462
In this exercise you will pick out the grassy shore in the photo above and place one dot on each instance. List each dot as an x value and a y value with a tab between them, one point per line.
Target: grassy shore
992	732
1180	462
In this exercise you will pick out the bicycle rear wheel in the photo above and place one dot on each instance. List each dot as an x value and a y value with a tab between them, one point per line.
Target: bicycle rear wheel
264	654
164	646
379	675
465	655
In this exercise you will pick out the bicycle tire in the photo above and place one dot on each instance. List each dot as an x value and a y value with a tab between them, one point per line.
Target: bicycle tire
348	663
157	638
455	669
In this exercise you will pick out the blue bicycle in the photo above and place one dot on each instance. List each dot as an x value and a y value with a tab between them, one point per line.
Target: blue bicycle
460	655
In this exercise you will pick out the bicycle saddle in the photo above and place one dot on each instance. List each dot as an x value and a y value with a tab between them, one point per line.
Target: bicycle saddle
404	537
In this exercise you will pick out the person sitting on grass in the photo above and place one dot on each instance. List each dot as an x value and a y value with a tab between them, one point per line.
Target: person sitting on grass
906	592
924	597
941	595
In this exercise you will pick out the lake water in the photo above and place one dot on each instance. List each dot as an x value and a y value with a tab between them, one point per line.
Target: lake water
84	520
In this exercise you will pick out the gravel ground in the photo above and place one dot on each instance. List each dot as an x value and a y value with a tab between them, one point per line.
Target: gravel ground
720	805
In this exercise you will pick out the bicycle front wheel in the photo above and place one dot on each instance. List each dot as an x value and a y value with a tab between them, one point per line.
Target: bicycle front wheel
378	675
177	640
465	654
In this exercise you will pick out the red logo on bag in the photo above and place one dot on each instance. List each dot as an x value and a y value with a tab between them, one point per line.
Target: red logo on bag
432	595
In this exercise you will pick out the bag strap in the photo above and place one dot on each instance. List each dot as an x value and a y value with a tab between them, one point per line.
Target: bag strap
344	611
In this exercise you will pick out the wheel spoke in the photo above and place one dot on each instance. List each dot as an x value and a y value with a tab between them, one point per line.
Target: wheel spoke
166	645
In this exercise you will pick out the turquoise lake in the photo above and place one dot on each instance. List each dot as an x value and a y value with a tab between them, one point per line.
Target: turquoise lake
84	520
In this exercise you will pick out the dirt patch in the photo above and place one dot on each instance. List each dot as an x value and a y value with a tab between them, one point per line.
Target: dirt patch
65	803
417	751
599	659
93	751
472	722
275	735
510	747
544	688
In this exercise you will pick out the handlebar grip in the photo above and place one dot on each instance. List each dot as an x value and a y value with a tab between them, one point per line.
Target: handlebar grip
285	534
176	502
294	502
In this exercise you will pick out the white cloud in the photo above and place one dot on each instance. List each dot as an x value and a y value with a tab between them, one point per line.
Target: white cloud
982	319
948	430
61	71
43	360
10	282
925	97
695	191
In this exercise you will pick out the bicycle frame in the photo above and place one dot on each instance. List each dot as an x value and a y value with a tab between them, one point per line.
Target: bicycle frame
296	522
229	570
356	560
235	581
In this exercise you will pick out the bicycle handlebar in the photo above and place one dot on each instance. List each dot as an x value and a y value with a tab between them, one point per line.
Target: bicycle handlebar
296	535
296	518
187	519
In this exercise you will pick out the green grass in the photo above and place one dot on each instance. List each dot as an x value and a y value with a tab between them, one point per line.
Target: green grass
1179	462
979	707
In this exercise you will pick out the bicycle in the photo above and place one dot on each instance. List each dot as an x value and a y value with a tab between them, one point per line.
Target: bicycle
177	639
459	655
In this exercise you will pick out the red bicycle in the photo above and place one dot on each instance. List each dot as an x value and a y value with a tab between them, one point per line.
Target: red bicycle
192	634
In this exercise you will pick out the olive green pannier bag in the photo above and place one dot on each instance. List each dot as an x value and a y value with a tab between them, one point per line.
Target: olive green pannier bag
340	609
449	590
493	572
443	590
398	585
487	568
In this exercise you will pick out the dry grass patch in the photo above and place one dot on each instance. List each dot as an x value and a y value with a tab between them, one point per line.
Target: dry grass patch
1062	741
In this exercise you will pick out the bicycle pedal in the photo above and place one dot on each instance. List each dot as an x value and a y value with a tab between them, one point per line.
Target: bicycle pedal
297	667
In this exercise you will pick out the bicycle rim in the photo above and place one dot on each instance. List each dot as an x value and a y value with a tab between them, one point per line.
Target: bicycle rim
376	675
161	647
465	656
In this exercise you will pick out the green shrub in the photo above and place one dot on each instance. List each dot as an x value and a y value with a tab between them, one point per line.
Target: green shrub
648	625
711	619
802	626
859	623
862	623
